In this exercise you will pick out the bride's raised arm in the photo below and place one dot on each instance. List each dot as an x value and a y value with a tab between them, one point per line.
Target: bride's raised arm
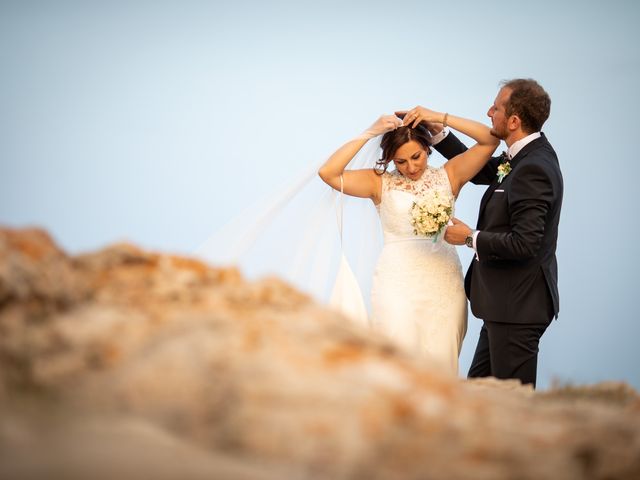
357	183
465	166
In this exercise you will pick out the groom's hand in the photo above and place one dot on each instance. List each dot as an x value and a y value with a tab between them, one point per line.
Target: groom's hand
456	234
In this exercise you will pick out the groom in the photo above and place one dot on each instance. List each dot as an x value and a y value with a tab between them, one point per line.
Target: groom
512	282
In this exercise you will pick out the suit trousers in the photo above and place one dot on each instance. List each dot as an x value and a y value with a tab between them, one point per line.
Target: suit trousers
507	350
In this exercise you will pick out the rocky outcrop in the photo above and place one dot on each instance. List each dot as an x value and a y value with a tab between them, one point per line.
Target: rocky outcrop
130	364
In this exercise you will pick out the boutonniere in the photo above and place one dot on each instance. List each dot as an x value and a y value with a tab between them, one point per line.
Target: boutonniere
504	168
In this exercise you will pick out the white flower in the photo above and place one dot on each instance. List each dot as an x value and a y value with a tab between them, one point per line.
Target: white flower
504	169
430	215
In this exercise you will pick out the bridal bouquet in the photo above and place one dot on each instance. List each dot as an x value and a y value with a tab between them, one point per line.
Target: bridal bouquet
430	215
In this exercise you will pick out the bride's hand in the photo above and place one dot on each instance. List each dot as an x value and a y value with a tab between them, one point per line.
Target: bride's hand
384	124
419	114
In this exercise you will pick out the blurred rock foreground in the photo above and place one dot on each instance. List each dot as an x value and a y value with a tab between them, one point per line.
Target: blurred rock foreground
129	364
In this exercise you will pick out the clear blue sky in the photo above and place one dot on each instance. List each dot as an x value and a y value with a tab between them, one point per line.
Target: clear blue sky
157	121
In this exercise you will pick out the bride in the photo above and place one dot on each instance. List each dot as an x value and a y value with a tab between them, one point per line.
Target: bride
417	296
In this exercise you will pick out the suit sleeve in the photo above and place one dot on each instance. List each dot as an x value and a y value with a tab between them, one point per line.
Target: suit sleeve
530	198
450	146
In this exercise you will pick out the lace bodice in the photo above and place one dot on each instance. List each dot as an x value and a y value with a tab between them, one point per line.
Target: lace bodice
398	195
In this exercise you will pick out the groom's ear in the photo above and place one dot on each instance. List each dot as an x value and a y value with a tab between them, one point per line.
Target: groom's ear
514	123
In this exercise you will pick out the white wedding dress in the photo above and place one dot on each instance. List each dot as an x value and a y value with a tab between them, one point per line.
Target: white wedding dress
417	296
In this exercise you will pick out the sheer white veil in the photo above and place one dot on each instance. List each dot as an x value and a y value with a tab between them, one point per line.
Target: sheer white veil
322	242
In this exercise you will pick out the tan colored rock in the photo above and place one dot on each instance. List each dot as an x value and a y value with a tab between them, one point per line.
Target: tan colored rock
257	373
66	446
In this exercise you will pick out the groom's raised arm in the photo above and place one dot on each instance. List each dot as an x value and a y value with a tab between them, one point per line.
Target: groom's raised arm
450	146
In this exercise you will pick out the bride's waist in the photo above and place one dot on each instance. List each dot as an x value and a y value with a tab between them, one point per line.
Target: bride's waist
408	253
401	238
423	245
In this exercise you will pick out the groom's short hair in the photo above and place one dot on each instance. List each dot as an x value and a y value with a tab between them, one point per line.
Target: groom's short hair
529	102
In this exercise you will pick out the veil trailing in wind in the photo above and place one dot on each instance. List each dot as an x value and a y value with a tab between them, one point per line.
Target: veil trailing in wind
321	241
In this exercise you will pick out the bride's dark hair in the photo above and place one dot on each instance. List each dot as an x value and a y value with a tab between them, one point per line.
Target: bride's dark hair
393	140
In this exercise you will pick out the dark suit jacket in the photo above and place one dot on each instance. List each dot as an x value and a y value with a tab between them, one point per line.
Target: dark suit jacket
516	278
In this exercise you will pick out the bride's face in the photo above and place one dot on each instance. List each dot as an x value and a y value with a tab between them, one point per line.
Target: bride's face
411	160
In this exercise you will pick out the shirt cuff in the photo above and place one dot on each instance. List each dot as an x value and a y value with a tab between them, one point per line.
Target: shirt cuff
475	243
440	136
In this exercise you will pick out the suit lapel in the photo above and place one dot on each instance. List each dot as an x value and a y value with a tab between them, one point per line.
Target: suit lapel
529	147
514	163
486	197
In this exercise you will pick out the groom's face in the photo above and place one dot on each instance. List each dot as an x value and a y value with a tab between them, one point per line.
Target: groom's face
498	114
